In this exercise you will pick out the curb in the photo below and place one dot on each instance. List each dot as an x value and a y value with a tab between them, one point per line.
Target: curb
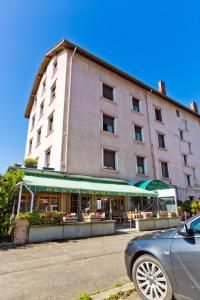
103	295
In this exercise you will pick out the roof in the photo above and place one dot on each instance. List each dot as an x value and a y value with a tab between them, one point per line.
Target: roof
65	44
152	185
51	184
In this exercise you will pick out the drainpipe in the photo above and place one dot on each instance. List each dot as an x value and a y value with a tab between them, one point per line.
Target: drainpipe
150	134
66	114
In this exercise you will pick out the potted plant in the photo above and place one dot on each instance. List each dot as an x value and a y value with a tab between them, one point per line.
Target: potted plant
30	163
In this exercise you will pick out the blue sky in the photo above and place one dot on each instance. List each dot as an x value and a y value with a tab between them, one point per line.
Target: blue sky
149	39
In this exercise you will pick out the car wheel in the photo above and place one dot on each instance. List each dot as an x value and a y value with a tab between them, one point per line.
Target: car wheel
150	279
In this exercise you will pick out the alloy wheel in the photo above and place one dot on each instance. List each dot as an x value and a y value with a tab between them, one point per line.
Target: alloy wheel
151	281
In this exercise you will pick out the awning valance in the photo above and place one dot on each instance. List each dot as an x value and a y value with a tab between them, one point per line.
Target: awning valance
60	185
152	185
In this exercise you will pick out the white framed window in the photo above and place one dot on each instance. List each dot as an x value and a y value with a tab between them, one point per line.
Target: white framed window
161	141
164	169
108	91
41	108
47	157
109	159
141	165
109	123
194	173
33	122
138	133
136	104
188	180
44	85
50	123
178	113
190	147
186	125
55	65
158	114
181	134
185	159
35	102
53	91
39	133
30	146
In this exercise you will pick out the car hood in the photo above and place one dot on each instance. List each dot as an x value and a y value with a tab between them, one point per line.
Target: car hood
158	235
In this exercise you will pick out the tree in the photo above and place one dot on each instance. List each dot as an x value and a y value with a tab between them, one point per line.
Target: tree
8	184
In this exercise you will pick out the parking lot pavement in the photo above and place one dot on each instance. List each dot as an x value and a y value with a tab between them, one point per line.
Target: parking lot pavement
63	270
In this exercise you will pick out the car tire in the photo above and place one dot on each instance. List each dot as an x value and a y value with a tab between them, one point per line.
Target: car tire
150	279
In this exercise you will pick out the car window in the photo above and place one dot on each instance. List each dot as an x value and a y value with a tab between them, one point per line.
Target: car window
195	226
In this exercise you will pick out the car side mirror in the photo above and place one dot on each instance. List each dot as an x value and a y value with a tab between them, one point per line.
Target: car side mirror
184	230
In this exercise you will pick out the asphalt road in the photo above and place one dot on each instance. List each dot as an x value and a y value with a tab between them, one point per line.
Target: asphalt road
63	270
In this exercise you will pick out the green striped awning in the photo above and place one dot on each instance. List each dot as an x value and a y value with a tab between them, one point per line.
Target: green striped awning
61	185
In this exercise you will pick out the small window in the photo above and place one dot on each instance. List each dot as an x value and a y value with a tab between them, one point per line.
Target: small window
108	123
47	158
138	133
136	105
161	140
44	85
185	159
42	108
50	123
158	114
39	136
194	173
190	147
35	102
178	113
188	180
33	122
181	135
53	91
30	146
109	158
55	65
164	169
108	92
140	165
186	125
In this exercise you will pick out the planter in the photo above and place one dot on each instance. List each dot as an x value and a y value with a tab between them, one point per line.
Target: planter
21	232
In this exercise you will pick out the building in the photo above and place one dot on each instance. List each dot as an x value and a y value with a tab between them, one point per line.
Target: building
89	118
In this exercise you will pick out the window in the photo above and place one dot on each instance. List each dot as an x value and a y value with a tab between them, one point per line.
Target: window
43	203
54	204
195	226
194	173
39	136
109	157
161	140
188	180
50	123
185	159
108	92
108	123
44	85
42	108
190	148
136	104
30	146
47	158
164	169
138	133
35	102
158	114
85	203
55	65
33	122
181	135
186	125
178	113
53	91
140	165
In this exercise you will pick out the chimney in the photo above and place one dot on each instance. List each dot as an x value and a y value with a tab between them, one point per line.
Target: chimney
161	87
194	107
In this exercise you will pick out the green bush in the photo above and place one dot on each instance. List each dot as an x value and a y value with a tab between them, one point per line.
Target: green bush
30	162
84	296
35	218
8	188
